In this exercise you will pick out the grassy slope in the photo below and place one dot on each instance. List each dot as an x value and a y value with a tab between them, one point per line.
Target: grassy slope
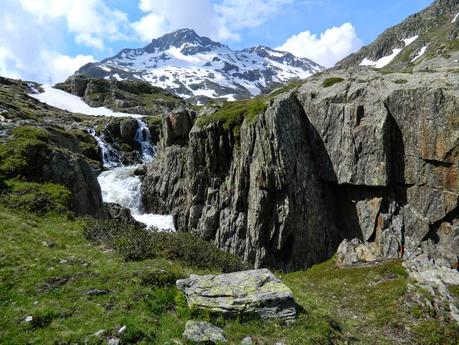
358	305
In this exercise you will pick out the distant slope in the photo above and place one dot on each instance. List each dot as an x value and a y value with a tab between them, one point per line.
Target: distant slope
193	66
433	37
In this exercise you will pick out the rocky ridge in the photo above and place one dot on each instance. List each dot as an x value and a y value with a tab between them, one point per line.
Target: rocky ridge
198	68
434	34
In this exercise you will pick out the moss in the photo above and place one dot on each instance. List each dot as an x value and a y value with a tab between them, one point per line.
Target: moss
331	81
454	290
37	198
434	332
23	149
233	114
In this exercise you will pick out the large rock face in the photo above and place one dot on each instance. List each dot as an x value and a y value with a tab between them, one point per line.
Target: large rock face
372	156
250	292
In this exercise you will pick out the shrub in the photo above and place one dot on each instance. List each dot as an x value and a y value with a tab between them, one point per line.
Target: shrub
39	198
135	243
160	277
331	81
195	251
130	241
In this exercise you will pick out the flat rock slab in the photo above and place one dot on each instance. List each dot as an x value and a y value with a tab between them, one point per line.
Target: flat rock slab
203	332
248	292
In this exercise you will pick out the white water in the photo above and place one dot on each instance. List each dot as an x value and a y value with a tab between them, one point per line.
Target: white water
121	186
143	137
110	156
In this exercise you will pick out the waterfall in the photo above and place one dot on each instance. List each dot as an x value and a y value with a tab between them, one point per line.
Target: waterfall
143	137
110	156
120	185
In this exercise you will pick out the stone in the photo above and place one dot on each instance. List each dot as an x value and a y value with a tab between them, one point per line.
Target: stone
113	341
249	292
122	330
247	341
355	251
96	292
367	211
28	318
203	332
121	213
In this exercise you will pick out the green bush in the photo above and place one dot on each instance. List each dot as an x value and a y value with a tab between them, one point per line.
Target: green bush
160	277
195	251
135	243
39	198
331	81
130	241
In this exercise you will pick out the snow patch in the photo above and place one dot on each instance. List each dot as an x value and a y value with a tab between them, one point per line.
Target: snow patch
421	53
455	18
384	61
66	101
410	40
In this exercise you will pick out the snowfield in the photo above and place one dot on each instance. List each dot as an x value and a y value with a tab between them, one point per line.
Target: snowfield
385	60
421	53
66	101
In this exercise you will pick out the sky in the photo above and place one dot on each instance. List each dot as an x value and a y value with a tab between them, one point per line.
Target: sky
48	40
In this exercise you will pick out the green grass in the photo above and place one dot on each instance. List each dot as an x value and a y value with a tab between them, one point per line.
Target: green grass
46	266
331	81
15	156
233	114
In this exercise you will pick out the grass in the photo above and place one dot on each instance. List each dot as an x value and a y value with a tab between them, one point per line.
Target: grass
329	82
47	266
233	114
26	145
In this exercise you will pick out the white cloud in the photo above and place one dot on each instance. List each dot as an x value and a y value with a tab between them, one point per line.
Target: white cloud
242	14
92	21
221	20
31	51
327	49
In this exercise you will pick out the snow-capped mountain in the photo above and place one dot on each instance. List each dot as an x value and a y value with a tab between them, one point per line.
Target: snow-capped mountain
193	66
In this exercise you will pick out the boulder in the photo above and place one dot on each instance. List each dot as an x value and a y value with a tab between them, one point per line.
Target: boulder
121	213
256	292
203	332
355	251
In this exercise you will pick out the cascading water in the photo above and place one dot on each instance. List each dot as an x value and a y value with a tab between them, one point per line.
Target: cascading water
143	138
120	185
110	156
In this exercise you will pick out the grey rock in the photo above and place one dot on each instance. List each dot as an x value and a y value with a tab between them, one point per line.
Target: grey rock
113	341
257	292
355	251
203	332
96	292
247	341
121	213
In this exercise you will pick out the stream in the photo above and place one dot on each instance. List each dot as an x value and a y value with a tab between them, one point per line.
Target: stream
120	185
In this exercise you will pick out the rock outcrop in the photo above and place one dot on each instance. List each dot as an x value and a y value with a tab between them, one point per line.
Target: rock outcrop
203	333
256	292
350	154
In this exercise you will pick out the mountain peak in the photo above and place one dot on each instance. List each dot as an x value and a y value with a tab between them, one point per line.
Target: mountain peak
179	38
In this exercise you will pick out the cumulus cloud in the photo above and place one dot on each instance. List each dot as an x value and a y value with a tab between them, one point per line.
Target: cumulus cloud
221	20
326	49
32	51
92	21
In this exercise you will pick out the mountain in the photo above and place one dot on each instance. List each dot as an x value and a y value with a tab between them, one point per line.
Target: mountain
193	66
424	41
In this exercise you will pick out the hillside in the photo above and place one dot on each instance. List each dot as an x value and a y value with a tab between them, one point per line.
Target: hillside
433	42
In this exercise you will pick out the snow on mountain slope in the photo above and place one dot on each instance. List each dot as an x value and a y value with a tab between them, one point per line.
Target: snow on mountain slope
193	66
66	101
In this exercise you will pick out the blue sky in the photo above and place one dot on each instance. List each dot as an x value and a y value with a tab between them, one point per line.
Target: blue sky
47	40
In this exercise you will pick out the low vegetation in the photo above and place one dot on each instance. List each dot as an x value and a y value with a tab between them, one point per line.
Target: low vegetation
233	114
329	82
74	292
